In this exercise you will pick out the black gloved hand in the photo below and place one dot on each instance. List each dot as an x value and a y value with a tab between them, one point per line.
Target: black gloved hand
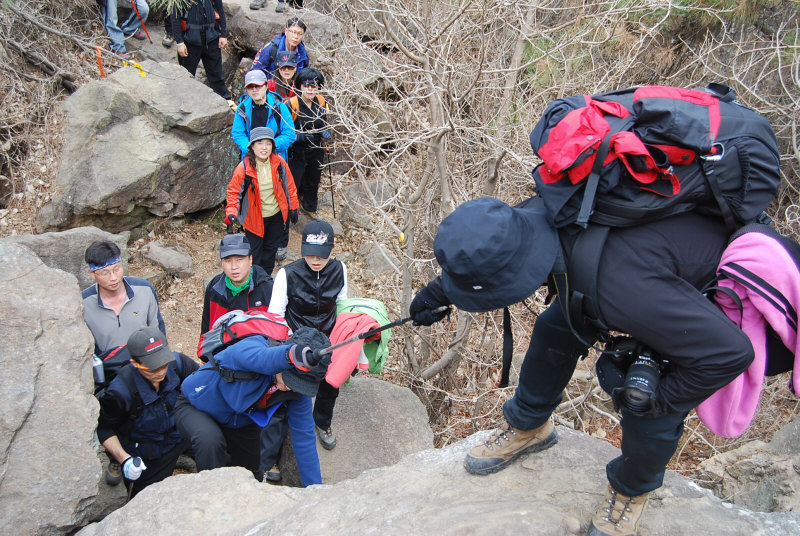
423	306
230	219
307	338
293	216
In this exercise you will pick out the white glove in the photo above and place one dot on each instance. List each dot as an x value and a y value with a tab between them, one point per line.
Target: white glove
132	468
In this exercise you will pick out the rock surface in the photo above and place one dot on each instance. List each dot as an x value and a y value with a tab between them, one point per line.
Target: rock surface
758	475
376	424
48	467
551	493
138	147
64	250
171	259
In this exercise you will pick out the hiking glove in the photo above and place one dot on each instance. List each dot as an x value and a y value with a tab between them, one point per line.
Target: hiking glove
424	307
230	219
132	468
326	134
303	357
293	216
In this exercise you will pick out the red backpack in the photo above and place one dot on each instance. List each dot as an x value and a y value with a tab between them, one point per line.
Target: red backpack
236	325
636	155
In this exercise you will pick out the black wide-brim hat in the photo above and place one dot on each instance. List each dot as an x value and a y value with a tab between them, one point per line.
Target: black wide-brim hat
493	255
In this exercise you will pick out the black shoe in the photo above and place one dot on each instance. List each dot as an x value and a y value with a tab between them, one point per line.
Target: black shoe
113	474
257	4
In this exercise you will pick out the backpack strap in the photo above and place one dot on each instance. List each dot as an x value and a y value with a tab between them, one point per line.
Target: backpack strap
294	106
584	265
590	190
229	375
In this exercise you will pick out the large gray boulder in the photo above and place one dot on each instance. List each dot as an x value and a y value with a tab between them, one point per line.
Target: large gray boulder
376	424
48	467
554	492
64	250
139	147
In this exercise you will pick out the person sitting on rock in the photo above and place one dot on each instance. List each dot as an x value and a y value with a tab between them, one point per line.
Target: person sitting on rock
290	40
262	197
241	285
130	27
262	108
227	401
137	419
305	293
116	305
200	30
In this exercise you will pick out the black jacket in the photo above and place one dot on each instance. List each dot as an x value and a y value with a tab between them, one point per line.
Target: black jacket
312	295
200	21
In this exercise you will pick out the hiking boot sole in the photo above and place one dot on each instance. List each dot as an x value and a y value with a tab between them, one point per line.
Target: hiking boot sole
487	466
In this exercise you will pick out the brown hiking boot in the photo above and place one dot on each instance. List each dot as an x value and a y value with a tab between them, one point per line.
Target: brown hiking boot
619	515
507	445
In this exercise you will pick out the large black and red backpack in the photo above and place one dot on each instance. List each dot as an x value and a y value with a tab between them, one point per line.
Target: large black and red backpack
236	325
635	155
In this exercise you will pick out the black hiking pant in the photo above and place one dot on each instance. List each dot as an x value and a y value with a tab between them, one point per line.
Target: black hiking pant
324	403
215	445
265	247
211	55
306	166
158	468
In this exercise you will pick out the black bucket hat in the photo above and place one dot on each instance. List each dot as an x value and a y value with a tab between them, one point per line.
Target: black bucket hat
307	383
493	255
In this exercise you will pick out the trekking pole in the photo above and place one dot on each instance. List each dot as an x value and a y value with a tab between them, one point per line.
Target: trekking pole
137	462
136	10
330	177
374	331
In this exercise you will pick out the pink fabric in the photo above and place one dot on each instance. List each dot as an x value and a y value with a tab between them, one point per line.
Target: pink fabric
345	359
729	411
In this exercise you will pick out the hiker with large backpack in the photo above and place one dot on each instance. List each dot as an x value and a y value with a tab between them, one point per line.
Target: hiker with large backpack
615	163
262	198
241	285
307	153
262	108
137	412
291	40
229	399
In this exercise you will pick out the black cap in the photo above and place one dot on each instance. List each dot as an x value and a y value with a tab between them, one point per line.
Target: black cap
234	244
149	347
317	239
493	255
286	58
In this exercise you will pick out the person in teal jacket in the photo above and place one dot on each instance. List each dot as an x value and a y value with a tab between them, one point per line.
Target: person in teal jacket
262	108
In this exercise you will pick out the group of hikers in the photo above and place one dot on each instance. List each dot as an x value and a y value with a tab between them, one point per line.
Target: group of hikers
648	282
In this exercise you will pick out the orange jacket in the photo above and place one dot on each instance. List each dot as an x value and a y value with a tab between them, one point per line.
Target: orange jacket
244	195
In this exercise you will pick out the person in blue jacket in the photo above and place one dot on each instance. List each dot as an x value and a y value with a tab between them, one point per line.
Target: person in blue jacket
291	40
262	108
137	411
227	401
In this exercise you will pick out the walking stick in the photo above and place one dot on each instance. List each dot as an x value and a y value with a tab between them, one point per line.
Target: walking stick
374	331
330	177
136	10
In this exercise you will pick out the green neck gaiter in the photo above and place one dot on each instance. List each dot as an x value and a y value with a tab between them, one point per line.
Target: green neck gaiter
236	290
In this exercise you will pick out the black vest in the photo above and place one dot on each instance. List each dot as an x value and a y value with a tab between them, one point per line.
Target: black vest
201	26
312	295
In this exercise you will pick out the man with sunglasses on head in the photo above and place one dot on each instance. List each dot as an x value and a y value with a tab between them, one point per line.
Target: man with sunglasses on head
116	305
137	418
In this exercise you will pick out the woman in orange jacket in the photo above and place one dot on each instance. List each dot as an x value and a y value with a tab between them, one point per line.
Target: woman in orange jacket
263	212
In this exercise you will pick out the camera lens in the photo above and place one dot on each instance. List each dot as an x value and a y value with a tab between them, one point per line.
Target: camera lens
641	383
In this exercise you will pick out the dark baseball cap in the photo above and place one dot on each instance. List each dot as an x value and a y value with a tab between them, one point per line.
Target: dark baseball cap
493	255
234	244
286	58
317	239
149	347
